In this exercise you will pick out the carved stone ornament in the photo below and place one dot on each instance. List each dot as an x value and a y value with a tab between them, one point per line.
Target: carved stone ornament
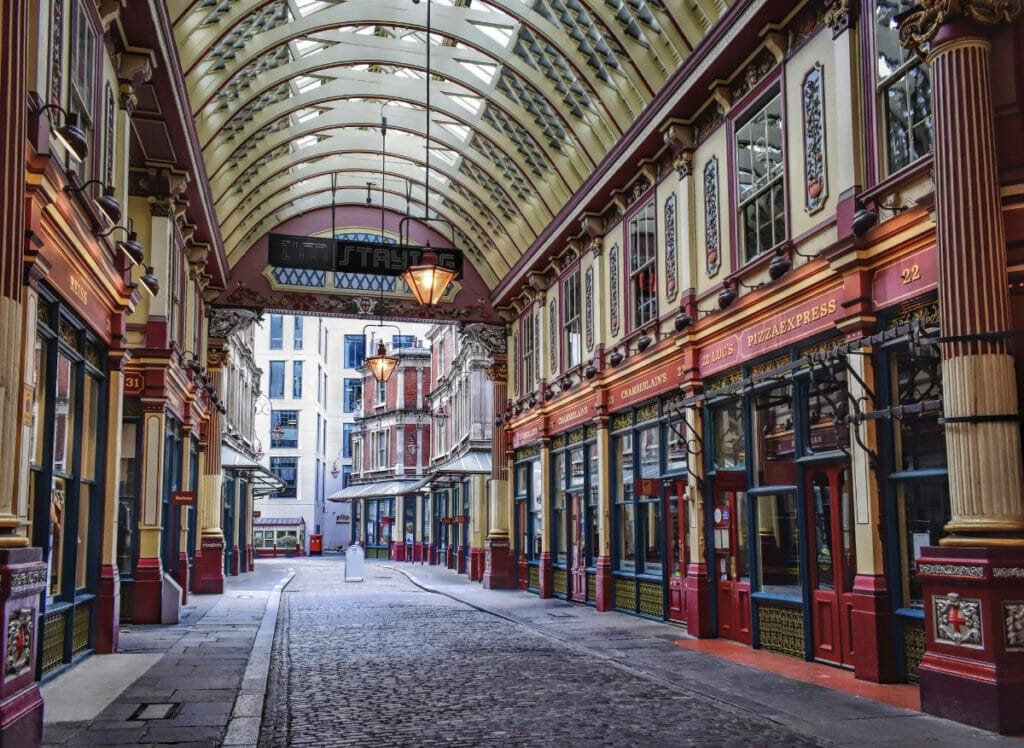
951	570
683	164
223	322
491	337
840	14
919	27
957	620
20	627
1013	615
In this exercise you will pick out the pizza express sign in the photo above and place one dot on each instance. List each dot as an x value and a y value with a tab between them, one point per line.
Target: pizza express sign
323	253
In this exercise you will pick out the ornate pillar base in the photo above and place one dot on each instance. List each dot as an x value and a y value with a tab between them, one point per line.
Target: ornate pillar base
22	579
235	561
209	567
872	623
497	573
460	561
147	591
398	551
249	564
449	560
605	590
108	610
973	667
697	589
181	575
546	575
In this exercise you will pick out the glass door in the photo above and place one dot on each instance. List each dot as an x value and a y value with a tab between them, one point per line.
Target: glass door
577	548
833	562
675	533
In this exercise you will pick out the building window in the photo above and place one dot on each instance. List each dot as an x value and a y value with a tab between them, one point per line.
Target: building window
287	469
284	430
558	530
536	511
403	341
353	395
643	274
297	379
276	332
355	351
727	430
528	352
357	454
346	475
904	90
759	171
379	454
625	550
381	393
347	429
572	345
297	337
82	77
276	389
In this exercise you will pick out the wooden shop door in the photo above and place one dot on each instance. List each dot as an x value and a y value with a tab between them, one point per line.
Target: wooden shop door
577	548
732	560
522	543
675	534
833	564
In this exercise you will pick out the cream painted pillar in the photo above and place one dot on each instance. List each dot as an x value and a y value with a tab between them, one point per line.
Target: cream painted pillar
863	477
605	597
498	555
546	587
15	528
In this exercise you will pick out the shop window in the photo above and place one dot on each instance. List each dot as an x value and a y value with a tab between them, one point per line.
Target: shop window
577	467
826	407
276	389
355	351
284	434
572	341
536	511
904	89
297	333
285	468
625	552
759	171
276	332
774	437
727	430
128	498
676	456
649	516
558	528
643	274
648	441
594	528
778	543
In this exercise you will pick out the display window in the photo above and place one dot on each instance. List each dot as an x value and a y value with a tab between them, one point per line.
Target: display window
625	551
728	435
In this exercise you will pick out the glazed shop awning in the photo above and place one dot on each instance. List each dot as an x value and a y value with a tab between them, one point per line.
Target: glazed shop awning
278	521
476	461
232	459
265	482
378	488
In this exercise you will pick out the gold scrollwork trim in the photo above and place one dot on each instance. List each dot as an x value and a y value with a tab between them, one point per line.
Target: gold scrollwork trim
918	28
1008	572
951	570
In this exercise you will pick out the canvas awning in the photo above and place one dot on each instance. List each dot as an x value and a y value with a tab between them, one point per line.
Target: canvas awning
377	488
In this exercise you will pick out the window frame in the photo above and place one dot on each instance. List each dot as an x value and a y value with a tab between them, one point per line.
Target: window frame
297	380
351	342
276	341
275	369
297	333
571	310
642	315
770	94
352	394
527	353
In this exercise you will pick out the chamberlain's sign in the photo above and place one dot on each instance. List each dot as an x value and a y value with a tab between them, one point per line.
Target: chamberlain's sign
350	256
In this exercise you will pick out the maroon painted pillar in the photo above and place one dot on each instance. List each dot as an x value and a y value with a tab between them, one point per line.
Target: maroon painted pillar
546	575
973	583
498	572
22	579
874	656
697	589
249	565
476	564
209	558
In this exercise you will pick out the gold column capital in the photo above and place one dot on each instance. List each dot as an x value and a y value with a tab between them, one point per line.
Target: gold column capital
920	26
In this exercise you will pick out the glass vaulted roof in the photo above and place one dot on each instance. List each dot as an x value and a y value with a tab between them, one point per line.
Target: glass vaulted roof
525	99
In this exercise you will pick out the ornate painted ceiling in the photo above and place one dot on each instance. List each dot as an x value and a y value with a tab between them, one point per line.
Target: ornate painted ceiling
525	99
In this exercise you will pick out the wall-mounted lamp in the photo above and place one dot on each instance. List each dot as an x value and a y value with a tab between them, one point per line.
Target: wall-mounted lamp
428	280
728	294
130	245
783	259
107	203
70	135
149	281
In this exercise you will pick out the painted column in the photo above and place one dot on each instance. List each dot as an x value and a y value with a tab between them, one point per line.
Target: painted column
22	572
545	572
209	561
148	585
973	669
697	585
477	525
498	570
398	531
181	570
605	587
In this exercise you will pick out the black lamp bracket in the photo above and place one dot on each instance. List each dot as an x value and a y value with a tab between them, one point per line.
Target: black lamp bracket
111	230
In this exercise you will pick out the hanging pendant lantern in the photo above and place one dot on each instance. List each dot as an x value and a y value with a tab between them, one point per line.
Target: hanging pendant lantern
428	281
382	365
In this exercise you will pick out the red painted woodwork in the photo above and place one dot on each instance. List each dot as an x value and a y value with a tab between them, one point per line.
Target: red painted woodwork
460	561
832	552
209	567
249	565
874	657
981	684
498	562
675	531
181	575
605	592
21	705
546	573
398	551
732	584
476	564
147	591
577	549
108	610
697	588
235	561
449	560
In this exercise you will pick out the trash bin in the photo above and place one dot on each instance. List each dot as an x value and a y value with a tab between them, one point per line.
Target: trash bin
316	544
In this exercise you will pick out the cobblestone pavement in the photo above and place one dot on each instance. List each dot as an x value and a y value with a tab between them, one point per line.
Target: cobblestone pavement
387	662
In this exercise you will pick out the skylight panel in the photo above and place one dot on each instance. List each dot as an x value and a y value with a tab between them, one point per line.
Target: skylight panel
500	34
459	131
470	103
449	157
304	115
305	83
306	141
485	73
